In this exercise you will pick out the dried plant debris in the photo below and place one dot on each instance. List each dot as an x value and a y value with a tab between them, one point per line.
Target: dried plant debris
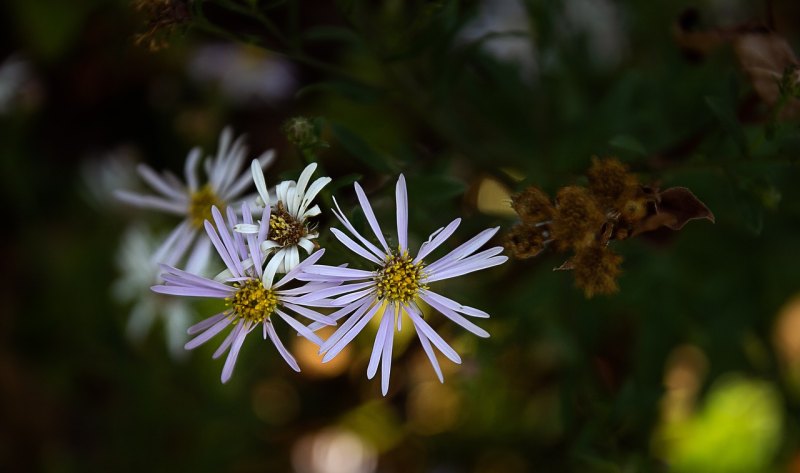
584	220
765	57
164	17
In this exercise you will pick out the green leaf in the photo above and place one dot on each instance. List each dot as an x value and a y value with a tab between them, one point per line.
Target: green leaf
354	91
628	143
362	150
435	187
343	181
334	34
749	207
727	118
50	27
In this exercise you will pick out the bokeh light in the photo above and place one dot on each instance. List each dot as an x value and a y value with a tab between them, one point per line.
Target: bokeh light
333	450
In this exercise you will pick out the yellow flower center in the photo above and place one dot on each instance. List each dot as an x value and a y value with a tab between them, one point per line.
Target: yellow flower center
283	228
252	302
200	205
400	279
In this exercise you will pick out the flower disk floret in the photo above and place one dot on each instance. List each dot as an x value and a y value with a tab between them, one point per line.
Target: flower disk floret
396	285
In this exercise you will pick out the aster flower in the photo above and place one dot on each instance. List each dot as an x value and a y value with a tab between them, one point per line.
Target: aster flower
289	228
137	273
396	284
193	201
251	295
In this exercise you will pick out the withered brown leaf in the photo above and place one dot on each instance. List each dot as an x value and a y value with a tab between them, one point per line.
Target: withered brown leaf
676	206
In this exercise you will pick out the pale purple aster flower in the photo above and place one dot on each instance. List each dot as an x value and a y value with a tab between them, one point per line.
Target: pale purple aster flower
289	227
393	288
251	294
193	201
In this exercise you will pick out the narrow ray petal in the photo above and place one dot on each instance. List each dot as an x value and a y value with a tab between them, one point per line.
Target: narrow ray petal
401	198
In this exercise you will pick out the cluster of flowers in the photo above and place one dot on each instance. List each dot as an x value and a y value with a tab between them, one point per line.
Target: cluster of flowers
267	277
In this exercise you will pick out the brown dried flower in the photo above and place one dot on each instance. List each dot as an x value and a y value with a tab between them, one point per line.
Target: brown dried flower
525	240
596	270
610	181
533	205
578	218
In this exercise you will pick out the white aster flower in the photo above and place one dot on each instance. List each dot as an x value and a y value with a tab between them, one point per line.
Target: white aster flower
17	82
251	295
289	228
393	288
138	273
103	175
193	200
245	74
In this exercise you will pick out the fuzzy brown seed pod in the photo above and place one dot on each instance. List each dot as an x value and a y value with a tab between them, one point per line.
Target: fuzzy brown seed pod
632	210
578	218
609	181
533	205
596	270
524	241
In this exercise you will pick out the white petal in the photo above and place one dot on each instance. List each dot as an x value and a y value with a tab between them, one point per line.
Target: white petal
467	248
353	246
364	311
261	184
292	258
373	222
426	345
340	216
336	271
461	269
238	340
434	337
386	362
208	334
436	239
190	168
246	228
269	329
272	268
152	202
377	347
299	268
453	315
401	197
300	189
312	192
306	244
300	328
159	184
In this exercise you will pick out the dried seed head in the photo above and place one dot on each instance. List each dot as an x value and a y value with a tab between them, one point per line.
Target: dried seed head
525	240
533	205
633	210
284	229
302	133
596	270
609	180
578	218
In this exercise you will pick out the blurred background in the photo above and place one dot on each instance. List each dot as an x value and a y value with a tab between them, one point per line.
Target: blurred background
693	366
